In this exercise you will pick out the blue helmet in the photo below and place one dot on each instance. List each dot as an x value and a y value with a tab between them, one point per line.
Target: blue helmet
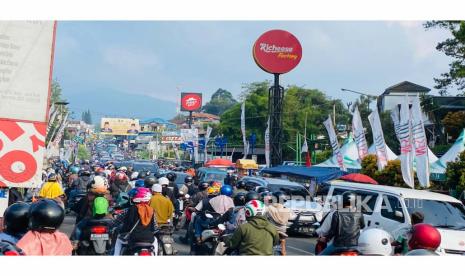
132	193
140	183
226	190
74	169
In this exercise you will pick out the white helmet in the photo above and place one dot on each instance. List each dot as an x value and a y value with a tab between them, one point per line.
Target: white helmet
163	181
99	184
375	242
134	175
123	169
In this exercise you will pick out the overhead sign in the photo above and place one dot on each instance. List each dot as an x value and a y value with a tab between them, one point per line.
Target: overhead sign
191	101
119	126
26	55
171	139
277	51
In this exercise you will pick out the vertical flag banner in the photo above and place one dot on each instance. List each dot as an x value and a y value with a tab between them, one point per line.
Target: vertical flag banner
395	119
308	163
207	138
378	139
359	134
267	143
406	148
420	144
244	138
334	144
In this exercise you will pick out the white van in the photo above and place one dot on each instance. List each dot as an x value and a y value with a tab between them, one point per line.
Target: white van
444	212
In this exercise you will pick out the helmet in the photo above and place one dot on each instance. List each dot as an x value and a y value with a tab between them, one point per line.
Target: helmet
149	182
254	208
122	199
266	197
123	169
171	176
348	198
240	184
84	173
226	190
251	196
239	199
99	184
142	195
134	175
262	189
188	179
230	170
163	181
280	197
9	249
99	169
140	183
16	217
132	193
74	169
100	206
212	190
52	177
121	176
203	186
424	236
157	188
376	242
45	214
421	252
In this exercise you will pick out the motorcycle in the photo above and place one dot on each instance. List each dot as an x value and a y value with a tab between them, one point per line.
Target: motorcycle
74	197
165	240
96	238
179	216
210	239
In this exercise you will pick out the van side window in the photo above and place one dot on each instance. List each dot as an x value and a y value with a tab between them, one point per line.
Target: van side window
367	201
390	206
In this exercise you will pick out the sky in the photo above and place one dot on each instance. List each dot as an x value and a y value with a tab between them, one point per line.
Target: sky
139	68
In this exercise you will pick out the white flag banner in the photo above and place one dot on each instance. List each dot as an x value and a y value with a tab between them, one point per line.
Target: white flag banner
334	144
406	147
420	144
378	139
176	152
304	146
267	144
196	143
395	119
61	129
26	68
244	137
359	134
207	139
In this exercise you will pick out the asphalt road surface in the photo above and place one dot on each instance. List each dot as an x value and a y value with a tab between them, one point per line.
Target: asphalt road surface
295	245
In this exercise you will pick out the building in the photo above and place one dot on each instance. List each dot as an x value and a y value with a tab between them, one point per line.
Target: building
395	94
156	125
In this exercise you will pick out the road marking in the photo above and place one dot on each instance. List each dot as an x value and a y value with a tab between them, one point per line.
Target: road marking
298	249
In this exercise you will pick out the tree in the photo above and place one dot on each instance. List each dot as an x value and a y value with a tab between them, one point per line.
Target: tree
220	101
454	48
87	117
454	123
455	174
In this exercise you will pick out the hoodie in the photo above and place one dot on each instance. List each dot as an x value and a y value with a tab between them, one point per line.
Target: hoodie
256	237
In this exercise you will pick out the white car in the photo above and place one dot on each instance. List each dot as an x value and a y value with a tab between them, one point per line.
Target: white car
390	208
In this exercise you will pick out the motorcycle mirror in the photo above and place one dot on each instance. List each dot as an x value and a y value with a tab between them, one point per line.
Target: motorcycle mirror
221	227
209	216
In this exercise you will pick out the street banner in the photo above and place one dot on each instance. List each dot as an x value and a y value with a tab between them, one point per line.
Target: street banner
308	162
406	147
334	143
420	144
26	58
244	138
378	139
22	147
190	135
196	143
176	152
395	116
119	126
207	138
359	134
267	143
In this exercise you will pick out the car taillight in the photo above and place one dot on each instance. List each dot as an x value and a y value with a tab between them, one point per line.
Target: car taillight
10	253
144	253
98	229
349	253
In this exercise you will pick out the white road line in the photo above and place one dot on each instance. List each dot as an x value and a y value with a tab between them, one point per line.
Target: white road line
298	249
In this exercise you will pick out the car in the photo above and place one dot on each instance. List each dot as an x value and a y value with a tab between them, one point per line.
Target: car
390	208
140	166
308	212
210	174
180	177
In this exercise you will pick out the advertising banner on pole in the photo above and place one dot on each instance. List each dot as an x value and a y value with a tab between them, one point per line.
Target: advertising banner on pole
359	134
26	55
420	144
267	143
334	143
406	148
119	126
207	138
378	139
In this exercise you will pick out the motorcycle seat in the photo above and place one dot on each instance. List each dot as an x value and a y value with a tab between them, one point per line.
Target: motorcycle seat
141	244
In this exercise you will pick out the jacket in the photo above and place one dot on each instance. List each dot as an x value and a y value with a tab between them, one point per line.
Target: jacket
163	208
345	228
278	215
140	233
45	244
51	190
256	237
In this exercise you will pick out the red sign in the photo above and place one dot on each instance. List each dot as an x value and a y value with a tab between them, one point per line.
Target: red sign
277	51
191	101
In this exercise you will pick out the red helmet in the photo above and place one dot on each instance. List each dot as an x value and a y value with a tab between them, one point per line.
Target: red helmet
121	176
424	236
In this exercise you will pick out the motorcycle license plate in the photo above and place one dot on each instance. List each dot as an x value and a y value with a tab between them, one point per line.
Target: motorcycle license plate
94	237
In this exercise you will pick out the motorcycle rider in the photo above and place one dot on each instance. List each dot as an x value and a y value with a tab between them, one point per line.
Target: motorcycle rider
237	214
138	221
97	187
257	236
43	237
345	226
424	236
404	234
167	190
82	181
190	210
52	190
120	185
188	187
375	242
149	182
172	186
162	206
229	179
15	221
240	188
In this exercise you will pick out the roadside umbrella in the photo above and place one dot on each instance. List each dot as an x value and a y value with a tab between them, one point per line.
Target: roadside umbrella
358	177
220	162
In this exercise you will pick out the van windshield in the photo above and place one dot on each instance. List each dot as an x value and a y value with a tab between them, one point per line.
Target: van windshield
440	214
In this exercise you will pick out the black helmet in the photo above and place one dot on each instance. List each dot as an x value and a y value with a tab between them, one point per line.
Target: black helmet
149	182
252	196
16	218
171	176
239	199
240	184
203	186
45	214
262	189
348	198
84	173
265	194
280	197
188	179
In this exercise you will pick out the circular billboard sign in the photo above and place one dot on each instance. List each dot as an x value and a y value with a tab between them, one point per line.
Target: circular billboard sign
191	101
277	51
